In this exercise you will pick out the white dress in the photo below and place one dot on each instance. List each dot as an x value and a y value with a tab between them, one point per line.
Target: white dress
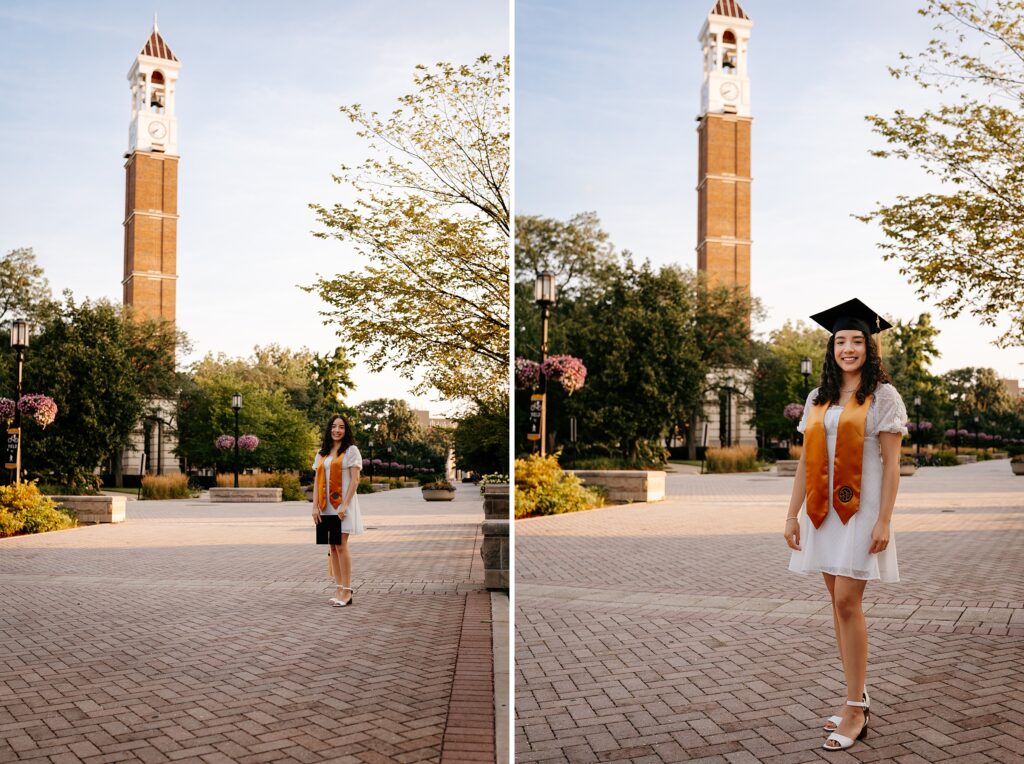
353	520
842	550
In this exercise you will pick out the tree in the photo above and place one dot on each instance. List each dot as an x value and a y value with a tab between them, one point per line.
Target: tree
288	439
963	247
99	364
24	290
978	391
432	219
577	251
390	419
481	439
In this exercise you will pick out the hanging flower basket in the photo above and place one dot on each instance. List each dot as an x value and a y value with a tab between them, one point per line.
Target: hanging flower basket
793	411
225	442
527	374
248	442
39	408
6	410
567	370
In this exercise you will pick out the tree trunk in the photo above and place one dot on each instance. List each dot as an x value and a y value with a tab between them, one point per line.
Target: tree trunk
118	468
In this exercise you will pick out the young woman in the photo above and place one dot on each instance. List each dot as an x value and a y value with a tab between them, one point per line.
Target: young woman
335	505
848	474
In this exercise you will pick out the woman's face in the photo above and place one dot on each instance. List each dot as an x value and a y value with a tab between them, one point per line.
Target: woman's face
338	429
851	350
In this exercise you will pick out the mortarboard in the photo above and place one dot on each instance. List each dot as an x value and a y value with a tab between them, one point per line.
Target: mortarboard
852	314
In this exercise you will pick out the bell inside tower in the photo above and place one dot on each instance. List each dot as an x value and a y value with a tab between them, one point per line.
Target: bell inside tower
157	97
728	52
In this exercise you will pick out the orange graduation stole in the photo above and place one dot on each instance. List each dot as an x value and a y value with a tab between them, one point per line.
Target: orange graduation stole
335	484
847	466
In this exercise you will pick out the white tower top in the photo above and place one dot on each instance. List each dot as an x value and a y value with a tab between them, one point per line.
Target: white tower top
153	77
724	38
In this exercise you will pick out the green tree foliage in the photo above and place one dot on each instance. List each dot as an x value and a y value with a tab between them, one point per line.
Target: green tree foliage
777	378
288	439
481	439
978	391
99	365
24	290
432	219
962	247
576	250
390	420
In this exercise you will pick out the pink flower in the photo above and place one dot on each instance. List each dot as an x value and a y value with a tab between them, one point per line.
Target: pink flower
567	370
6	410
248	442
527	374
793	411
225	442
41	408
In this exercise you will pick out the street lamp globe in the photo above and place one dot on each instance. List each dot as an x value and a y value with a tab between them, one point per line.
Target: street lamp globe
805	366
544	291
236	401
19	334
917	401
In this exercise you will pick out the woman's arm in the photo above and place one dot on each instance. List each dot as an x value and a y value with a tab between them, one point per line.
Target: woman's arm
890	447
353	483
316	490
796	500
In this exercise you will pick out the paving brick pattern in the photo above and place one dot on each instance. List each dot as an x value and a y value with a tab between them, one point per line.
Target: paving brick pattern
673	632
202	633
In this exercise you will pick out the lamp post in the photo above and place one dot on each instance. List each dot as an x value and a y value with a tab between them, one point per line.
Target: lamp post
389	462
805	369
977	427
544	296
236	404
917	417
956	430
370	444
725	417
19	341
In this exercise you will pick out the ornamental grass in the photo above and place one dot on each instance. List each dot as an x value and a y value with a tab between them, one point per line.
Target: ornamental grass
732	459
165	487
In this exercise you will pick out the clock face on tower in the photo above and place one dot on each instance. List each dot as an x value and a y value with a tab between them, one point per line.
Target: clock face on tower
729	90
157	130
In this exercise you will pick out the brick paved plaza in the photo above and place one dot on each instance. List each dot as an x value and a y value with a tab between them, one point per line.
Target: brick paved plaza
199	632
674	631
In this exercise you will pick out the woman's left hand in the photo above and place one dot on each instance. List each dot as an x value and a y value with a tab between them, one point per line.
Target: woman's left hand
879	537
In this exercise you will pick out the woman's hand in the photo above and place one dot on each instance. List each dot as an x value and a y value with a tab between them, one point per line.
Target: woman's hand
792	533
879	537
316	515
343	511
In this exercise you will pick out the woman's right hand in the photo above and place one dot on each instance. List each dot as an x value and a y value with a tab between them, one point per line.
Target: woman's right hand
792	533
316	515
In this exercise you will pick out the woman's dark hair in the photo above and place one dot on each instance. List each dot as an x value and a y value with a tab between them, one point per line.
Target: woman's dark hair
348	439
872	373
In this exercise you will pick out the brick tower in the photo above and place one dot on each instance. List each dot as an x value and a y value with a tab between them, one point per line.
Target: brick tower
151	183
723	169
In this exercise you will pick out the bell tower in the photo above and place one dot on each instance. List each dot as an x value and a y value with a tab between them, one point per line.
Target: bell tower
151	183
723	132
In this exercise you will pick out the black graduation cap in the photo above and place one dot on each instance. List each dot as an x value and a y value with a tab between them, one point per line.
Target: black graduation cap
852	314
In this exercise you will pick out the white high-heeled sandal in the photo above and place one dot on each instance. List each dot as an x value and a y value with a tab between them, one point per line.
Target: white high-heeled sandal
835	721
335	602
847	742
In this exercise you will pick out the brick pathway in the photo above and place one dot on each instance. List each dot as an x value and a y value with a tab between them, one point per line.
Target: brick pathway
674	632
199	632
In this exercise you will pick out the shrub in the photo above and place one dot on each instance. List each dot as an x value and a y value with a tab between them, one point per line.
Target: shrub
542	488
364	486
23	509
439	485
1017	459
492	479
795	452
944	459
288	482
732	459
166	487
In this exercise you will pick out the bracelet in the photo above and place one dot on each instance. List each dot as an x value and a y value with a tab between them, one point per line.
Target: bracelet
794	517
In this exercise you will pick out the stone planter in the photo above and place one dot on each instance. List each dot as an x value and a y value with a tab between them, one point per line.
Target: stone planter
494	549
786	467
625	486
966	458
908	469
95	509
245	495
1017	467
378	487
438	494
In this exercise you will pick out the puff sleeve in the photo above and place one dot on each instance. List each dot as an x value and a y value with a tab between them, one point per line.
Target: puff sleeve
891	413
807	410
353	458
316	461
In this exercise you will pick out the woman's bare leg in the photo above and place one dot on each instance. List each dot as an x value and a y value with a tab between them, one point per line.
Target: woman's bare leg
345	566
849	593
830	582
336	568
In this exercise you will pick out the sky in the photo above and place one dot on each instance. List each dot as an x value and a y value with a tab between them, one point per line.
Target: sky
260	135
606	99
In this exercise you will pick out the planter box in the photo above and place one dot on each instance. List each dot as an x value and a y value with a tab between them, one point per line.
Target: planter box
908	469
95	509
967	458
1017	467
245	495
438	494
378	487
625	486
786	467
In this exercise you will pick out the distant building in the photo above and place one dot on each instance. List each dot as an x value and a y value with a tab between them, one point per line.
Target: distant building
1012	386
426	421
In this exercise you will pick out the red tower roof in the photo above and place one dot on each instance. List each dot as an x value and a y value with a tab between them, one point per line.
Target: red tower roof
156	47
729	8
